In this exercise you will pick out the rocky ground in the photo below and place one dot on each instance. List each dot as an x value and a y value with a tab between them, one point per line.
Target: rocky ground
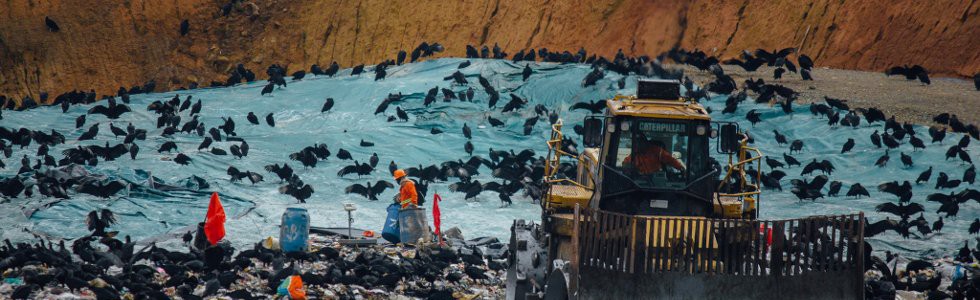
471	269
909	101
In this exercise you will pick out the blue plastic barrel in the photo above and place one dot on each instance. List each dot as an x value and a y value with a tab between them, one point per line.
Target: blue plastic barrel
391	232
294	233
413	223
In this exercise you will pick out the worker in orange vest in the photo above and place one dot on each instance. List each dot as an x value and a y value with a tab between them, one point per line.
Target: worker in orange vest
407	196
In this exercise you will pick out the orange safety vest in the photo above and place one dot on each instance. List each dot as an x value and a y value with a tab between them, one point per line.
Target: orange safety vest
651	160
407	194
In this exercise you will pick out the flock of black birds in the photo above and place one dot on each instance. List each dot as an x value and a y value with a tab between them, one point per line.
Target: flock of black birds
517	171
892	136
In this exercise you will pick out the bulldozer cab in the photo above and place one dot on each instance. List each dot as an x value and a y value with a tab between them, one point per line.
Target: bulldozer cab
652	157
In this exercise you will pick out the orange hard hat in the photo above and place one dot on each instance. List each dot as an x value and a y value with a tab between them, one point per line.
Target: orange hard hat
399	174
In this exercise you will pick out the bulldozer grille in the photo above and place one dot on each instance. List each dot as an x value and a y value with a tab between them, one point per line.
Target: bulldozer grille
651	245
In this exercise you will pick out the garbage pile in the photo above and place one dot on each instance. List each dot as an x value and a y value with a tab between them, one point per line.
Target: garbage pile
897	277
107	268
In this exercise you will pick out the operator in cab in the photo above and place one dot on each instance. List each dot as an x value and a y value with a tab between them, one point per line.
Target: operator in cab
650	157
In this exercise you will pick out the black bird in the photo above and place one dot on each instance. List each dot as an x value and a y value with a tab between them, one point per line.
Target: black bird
435	130
856	190
327	105
964	156
298	75
593	106
89	134
366	143
300	193
344	154
753	117
976	81
902	210
805	74
252	118
773	163
392	166
218	151
167	147
873	229
52	25
906	160
466	132
806	63
468	147
97	222
368	190
970	175
133	150
305	156
876	139
374	160
185	26
268	88
889	141
269	120
837	103
400	57
812	166
780	139
80	121
515	103
284	172
357	70
883	160
215	134
182	159
796	145
791	161
494	122
356	168
975	226
953	151
924	176
941	180
835	187
937	134
847	146
526	72
100	189
401	113
916	143
937	226
236	175
236	151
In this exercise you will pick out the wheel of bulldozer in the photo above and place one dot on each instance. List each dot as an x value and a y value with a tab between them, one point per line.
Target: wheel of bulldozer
556	288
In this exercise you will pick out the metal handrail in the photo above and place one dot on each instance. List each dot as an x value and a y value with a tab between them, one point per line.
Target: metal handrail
554	161
739	167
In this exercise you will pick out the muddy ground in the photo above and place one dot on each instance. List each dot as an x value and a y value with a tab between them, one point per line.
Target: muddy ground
909	101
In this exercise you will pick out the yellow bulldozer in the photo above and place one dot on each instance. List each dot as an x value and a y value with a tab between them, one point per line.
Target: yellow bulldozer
650	214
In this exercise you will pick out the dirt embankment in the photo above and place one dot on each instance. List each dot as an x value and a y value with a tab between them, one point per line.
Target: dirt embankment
105	44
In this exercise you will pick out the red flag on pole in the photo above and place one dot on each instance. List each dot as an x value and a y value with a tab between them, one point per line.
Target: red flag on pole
214	225
436	213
